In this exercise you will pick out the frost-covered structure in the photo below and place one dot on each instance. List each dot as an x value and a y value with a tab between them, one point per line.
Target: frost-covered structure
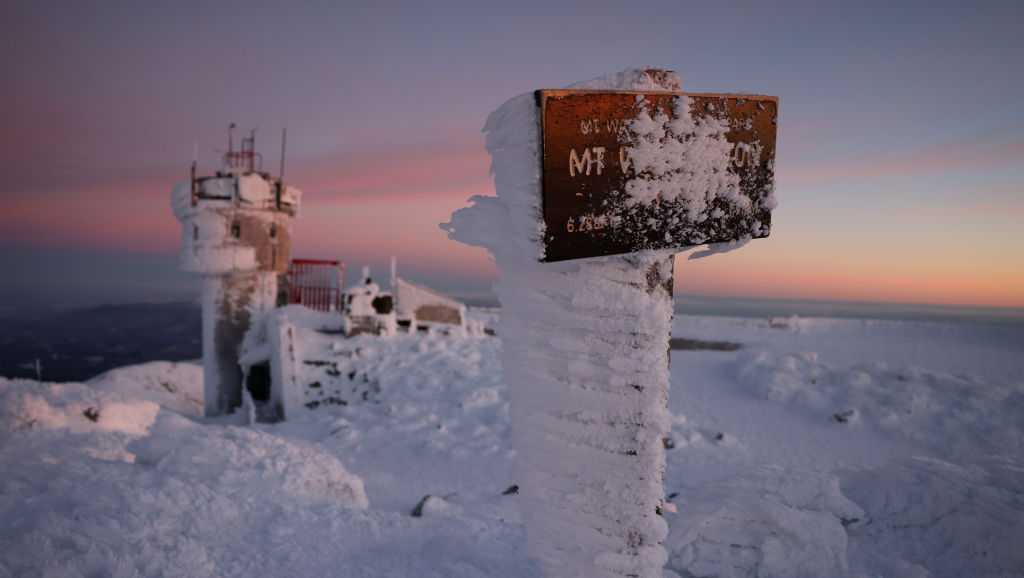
236	233
420	306
368	310
585	354
310	359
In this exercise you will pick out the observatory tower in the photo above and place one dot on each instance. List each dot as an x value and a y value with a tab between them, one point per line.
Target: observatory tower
236	233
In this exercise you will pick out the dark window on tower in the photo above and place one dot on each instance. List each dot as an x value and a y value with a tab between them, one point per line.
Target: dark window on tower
273	230
195	232
236	230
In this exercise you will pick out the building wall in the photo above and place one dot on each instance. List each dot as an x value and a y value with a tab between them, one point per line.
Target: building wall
269	234
236	232
439	314
233	303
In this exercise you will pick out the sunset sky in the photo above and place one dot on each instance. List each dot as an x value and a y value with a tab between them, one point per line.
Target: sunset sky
900	155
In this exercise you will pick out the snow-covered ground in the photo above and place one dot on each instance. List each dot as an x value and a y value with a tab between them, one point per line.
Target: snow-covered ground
820	448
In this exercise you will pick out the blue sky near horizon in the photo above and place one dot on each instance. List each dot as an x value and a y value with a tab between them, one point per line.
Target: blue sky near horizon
900	162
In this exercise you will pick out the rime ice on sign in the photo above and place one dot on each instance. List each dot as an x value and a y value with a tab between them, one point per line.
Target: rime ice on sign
627	171
585	354
585	342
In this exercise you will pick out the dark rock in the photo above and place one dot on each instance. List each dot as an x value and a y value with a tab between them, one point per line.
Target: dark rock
684	344
844	416
92	414
417	512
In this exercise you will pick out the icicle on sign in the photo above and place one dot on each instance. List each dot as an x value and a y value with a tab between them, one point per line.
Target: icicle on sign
630	171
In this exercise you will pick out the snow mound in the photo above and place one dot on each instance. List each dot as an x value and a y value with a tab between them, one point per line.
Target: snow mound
174	386
29	405
197	500
259	462
957	414
766	523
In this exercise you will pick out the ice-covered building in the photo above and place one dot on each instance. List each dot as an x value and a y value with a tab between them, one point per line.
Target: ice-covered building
317	356
420	307
236	233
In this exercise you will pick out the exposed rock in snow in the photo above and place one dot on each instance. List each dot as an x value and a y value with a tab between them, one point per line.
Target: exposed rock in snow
431	506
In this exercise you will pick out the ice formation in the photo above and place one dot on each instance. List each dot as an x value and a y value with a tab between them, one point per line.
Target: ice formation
680	158
585	352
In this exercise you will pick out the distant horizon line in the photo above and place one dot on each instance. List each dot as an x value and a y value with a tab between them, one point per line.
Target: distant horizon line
489	297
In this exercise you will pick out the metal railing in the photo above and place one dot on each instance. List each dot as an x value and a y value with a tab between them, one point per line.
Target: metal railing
317	283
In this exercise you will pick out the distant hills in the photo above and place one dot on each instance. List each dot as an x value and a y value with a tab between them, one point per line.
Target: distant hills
78	344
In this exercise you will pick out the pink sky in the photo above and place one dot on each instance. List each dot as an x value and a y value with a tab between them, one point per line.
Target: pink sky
367	207
900	160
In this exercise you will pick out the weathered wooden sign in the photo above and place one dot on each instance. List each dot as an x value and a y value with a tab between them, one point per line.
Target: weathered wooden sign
630	171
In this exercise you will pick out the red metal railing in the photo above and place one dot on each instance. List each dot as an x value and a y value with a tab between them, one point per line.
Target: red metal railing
316	283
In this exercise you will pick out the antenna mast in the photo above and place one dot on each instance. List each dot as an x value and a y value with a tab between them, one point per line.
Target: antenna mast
284	142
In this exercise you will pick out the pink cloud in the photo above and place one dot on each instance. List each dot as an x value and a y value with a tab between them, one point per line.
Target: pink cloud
125	223
939	158
437	169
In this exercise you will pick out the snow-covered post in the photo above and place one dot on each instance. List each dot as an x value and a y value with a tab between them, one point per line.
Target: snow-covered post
586	342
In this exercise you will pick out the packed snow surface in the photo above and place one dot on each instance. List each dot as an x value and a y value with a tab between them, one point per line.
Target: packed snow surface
820	448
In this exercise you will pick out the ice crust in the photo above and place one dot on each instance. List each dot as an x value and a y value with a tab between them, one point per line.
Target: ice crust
586	357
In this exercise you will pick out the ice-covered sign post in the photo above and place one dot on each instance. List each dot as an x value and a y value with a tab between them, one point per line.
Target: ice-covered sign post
597	187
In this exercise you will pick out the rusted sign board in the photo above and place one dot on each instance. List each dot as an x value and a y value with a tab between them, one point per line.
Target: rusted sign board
631	171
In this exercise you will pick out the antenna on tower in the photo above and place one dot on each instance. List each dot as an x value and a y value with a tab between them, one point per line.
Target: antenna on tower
284	142
231	138
192	174
280	174
250	154
394	275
